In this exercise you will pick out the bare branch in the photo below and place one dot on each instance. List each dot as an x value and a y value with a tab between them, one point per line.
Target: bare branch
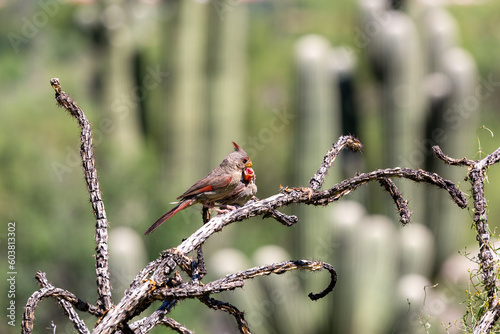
233	281
287	220
450	161
226	307
487	256
145	273
278	269
158	317
65	299
401	203
190	290
488	319
417	175
491	159
343	142
101	232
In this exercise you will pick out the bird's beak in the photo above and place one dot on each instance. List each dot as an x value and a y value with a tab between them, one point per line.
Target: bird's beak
248	164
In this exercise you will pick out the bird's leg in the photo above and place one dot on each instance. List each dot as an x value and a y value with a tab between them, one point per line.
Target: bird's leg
206	214
219	208
229	207
200	269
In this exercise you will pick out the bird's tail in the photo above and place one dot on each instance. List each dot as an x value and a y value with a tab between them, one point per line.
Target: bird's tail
162	219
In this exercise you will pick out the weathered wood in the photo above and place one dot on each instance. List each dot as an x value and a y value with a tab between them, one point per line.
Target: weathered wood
487	255
101	232
159	280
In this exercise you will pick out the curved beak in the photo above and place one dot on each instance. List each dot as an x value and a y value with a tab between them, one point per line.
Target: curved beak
248	164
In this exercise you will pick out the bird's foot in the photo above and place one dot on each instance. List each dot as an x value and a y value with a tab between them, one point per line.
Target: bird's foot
224	208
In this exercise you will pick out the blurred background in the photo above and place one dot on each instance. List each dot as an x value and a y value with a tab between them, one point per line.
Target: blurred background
168	85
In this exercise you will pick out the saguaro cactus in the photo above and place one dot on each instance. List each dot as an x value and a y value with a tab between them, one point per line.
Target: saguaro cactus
393	49
226	74
458	124
188	112
317	125
451	114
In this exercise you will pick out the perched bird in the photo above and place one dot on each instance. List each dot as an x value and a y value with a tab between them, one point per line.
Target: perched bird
217	184
244	191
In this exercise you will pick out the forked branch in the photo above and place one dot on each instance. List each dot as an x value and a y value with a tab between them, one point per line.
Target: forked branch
160	279
488	258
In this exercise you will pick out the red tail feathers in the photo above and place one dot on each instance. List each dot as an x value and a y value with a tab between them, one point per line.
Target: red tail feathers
162	219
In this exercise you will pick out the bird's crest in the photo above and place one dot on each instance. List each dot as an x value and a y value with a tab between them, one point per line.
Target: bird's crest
237	147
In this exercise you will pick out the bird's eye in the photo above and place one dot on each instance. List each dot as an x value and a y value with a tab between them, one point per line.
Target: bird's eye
245	160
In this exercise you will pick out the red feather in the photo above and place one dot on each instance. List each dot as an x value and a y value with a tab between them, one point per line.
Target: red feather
162	219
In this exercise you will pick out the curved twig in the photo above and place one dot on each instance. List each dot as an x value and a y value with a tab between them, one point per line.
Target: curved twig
287	220
401	203
236	280
329	288
349	142
65	299
450	161
232	310
145	325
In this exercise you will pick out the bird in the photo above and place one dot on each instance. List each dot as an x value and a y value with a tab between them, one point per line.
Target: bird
217	184
243	192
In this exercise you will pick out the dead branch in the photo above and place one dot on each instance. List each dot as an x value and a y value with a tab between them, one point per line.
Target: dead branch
349	142
101	232
450	161
226	307
236	280
487	256
159	280
65	299
281	218
401	203
488	319
158	317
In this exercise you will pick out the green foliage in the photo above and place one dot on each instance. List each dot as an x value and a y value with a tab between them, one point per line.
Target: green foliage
477	302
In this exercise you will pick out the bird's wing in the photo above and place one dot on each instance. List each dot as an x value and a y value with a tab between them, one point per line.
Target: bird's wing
234	194
207	184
